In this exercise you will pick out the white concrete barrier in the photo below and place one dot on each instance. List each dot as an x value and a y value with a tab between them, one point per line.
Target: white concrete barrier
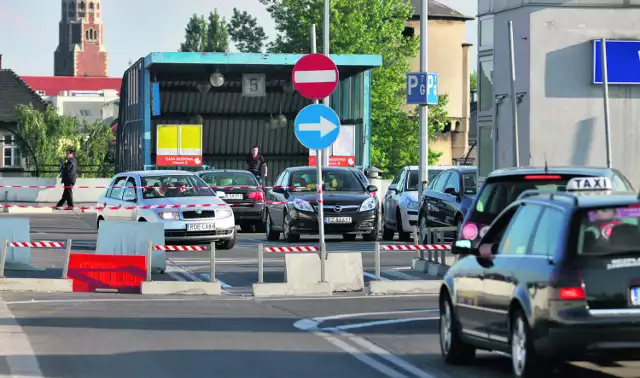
16	229
22	194
132	238
343	270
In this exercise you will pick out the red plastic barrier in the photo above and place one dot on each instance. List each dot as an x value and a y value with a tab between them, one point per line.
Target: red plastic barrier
91	273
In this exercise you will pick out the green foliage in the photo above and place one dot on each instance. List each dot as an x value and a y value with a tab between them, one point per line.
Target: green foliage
365	27
206	35
474	81
245	33
50	134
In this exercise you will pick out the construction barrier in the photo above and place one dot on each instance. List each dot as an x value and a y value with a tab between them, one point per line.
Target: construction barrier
16	258
132	239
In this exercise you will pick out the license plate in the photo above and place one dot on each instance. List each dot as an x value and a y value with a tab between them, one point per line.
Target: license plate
201	227
635	296
233	196
338	220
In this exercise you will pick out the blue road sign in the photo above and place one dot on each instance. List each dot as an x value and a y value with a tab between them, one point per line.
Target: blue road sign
317	126
422	88
623	62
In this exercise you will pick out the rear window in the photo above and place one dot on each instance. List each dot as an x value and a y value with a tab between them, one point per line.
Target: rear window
229	179
611	230
470	183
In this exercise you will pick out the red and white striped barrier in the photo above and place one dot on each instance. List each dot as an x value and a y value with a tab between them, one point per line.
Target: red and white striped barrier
141	187
36	244
179	248
292	249
189	206
415	247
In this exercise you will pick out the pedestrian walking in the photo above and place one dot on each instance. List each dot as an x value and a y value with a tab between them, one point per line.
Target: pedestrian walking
257	165
68	176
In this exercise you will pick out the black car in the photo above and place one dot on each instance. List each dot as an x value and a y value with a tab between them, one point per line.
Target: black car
503	186
241	190
349	208
555	278
448	197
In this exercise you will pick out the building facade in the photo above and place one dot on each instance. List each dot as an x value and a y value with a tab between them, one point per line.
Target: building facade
560	111
81	51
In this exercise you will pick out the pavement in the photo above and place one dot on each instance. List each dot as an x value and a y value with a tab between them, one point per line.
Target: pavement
132	336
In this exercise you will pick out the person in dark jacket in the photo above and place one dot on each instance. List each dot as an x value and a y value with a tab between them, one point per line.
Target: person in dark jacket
68	175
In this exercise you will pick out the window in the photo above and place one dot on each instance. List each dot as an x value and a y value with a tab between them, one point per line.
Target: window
516	238
11	152
130	190
334	181
442	181
91	5
609	231
172	186
95	35
230	179
41	93
453	182
412	181
486	33
470	183
485	82
87	35
547	237
118	188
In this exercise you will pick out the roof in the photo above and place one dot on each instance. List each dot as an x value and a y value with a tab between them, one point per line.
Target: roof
438	10
224	170
587	171
14	91
53	85
463	168
159	173
586	199
324	169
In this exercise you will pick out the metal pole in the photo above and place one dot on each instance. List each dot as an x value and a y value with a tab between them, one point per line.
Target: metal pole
149	255
67	254
424	109
3	256
377	261
605	93
514	100
260	263
325	51
212	262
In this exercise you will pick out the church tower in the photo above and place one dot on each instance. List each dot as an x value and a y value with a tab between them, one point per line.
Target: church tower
80	49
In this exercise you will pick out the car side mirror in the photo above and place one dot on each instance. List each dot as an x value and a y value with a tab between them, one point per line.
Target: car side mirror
372	188
280	190
464	247
451	191
393	188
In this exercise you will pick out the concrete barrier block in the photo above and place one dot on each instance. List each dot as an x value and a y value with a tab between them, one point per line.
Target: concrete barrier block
268	290
344	271
43	285
29	210
438	270
16	229
180	288
301	269
132	239
421	266
404	287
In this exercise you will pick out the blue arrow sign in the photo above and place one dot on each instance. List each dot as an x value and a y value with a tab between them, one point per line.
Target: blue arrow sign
623	62
317	126
422	88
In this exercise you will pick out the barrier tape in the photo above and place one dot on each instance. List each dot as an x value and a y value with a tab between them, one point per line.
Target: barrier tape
190	206
36	244
143	187
291	249
179	248
415	247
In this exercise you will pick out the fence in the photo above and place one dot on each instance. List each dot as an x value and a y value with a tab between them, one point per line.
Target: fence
37	244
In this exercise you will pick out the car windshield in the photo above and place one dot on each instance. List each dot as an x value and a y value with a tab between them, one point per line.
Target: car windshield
335	181
172	186
412	182
611	230
229	179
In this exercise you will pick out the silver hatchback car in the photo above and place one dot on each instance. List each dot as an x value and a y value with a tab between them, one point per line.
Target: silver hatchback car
153	188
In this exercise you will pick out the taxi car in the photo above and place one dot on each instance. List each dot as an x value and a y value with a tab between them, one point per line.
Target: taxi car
132	191
555	278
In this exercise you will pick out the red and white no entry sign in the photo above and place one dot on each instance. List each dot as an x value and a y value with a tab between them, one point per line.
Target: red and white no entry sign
315	76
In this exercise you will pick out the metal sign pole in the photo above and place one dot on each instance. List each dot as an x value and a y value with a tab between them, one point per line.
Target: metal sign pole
325	51
323	247
423	156
514	100
605	93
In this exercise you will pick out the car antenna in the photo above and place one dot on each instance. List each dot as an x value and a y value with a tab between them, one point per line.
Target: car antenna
546	166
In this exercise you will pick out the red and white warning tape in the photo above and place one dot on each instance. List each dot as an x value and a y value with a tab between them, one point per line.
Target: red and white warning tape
189	206
179	247
291	249
36	244
414	247
228	187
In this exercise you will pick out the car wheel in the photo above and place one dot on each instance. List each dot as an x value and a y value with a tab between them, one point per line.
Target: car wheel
524	360
402	234
286	230
271	235
372	236
349	237
453	349
228	243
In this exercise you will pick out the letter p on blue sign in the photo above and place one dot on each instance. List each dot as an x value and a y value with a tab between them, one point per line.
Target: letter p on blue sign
422	88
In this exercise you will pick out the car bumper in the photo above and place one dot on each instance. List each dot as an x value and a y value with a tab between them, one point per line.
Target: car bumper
248	213
177	230
412	218
362	222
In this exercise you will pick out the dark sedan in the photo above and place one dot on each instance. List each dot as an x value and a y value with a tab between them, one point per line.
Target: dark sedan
349	207
242	191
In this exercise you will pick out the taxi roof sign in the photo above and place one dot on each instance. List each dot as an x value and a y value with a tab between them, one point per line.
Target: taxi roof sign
589	184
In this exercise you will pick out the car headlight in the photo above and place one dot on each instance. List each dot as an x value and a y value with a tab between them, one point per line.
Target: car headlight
169	215
302	205
368	204
224	213
412	205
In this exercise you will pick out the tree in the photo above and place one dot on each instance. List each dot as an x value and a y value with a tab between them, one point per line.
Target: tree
217	37
364	27
245	33
49	134
195	32
474	81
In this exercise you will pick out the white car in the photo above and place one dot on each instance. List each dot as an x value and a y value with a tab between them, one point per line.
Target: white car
400	204
152	188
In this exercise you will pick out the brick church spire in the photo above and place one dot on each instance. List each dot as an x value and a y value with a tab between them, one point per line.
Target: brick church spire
80	49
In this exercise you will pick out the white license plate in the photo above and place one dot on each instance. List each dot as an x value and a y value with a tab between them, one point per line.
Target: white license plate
233	196
635	296
338	220
201	227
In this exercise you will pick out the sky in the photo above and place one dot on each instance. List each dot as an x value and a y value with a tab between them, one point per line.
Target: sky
133	28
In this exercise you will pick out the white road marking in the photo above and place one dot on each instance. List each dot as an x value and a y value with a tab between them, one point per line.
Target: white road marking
363	314
224	285
379	323
322	76
402	276
373	276
190	275
15	347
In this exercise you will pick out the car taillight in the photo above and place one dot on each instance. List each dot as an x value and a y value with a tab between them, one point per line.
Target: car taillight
542	177
572	293
257	196
469	231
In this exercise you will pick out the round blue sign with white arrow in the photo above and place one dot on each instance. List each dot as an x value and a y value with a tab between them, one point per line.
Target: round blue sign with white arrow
317	126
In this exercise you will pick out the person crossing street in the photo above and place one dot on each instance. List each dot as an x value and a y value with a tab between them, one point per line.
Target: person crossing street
68	175
257	165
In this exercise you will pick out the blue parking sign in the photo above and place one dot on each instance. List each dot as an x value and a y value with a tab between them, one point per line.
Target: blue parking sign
432	88
422	88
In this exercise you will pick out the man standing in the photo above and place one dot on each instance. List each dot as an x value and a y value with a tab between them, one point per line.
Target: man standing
68	175
257	165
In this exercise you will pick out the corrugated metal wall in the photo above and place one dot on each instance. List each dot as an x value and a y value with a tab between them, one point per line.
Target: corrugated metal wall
129	155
